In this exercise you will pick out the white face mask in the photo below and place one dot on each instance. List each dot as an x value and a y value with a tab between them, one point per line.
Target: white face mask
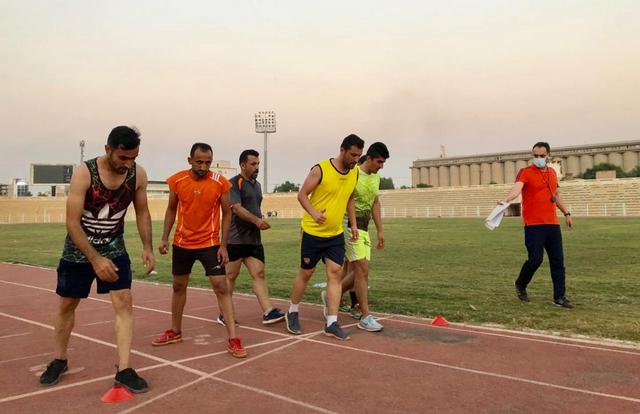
540	162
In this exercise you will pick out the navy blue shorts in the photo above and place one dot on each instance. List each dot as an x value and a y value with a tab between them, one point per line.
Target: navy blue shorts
314	248
183	260
75	279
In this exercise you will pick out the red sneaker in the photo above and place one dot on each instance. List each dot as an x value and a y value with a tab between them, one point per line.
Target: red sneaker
168	337
236	349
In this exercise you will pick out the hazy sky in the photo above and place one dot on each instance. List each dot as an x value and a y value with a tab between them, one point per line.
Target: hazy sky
475	76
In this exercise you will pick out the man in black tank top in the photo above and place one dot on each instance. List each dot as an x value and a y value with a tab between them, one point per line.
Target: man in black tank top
101	190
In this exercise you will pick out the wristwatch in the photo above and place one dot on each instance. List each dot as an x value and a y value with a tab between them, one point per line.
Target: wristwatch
568	213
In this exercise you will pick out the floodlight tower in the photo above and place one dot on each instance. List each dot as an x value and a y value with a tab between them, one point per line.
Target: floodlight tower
266	124
82	143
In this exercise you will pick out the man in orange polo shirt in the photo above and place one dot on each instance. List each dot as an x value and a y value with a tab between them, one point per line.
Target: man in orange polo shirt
538	184
196	196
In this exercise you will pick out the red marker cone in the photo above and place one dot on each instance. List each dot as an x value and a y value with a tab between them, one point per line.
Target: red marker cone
439	321
116	394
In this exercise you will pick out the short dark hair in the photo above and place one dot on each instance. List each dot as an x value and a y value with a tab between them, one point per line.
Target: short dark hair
200	146
352	140
124	137
378	150
244	156
542	145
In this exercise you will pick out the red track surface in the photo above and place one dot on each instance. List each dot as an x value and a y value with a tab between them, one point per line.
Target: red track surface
409	367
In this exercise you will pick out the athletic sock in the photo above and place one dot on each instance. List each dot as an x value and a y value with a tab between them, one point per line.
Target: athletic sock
267	311
331	319
293	308
354	299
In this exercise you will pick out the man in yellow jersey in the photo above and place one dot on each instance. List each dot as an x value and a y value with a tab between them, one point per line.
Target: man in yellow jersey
326	191
358	251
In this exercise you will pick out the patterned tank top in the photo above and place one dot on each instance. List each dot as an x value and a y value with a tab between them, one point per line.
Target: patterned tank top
103	216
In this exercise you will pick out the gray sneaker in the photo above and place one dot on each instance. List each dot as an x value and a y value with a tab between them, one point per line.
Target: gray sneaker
336	331
563	302
370	324
293	324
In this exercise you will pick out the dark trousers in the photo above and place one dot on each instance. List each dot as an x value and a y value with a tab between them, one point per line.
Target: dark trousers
538	239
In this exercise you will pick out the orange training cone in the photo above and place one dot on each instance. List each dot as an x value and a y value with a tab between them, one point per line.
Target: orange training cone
116	394
439	321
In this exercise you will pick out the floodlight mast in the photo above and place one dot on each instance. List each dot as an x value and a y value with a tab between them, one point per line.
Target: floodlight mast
266	124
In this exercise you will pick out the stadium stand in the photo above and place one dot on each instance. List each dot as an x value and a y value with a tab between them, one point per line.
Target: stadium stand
585	198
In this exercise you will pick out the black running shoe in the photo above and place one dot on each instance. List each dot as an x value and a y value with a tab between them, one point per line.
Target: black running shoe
563	302
293	324
521	291
274	315
129	379
54	370
222	322
336	331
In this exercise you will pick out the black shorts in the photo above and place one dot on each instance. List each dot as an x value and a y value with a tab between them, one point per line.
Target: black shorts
183	260
75	279
242	251
314	248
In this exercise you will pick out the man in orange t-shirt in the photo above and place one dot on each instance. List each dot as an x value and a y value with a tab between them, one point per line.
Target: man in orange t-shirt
196	196
538	184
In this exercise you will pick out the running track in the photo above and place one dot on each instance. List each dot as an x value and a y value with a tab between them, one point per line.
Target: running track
410	367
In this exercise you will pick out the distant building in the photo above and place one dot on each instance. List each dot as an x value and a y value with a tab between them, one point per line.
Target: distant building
18	188
500	168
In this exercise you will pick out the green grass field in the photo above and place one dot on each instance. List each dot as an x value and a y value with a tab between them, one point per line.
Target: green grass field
453	267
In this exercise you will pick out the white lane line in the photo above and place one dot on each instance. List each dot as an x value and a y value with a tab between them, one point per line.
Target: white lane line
136	318
148	368
154	310
212	376
533	337
479	372
98	323
14	335
26	357
58	387
28	286
108	344
203	307
480	330
555	341
273	395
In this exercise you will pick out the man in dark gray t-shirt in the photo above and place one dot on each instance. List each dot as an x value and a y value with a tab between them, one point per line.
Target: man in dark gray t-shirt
244	243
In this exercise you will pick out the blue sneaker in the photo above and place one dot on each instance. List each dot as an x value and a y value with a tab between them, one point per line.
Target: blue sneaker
293	324
369	323
336	331
221	321
274	315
